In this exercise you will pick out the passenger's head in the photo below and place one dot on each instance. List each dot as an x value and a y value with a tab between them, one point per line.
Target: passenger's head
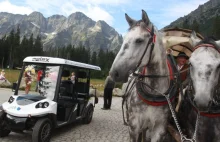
73	73
182	58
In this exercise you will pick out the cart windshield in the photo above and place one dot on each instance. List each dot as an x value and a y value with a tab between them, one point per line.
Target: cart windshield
38	82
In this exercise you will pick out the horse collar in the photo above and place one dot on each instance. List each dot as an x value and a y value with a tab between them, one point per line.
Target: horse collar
158	100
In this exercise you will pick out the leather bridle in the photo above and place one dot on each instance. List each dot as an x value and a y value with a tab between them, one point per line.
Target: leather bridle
151	41
213	110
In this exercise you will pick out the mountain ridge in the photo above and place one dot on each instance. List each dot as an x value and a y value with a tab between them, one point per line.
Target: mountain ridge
204	19
58	30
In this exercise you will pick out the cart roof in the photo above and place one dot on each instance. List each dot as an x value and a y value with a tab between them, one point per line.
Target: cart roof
52	60
179	40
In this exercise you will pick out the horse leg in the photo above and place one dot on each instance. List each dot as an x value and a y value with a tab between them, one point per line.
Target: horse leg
158	133
142	136
134	134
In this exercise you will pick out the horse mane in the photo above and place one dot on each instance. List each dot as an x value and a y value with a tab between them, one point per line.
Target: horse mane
209	40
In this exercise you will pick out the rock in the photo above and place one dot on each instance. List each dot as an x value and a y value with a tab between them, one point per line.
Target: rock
98	93
4	83
118	92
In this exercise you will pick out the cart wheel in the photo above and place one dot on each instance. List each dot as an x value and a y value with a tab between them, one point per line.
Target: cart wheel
42	131
88	117
3	127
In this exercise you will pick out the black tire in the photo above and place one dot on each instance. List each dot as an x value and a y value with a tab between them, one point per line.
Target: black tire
88	116
42	130
4	131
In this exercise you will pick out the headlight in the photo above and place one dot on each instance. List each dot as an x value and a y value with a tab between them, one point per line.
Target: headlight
42	105
46	104
11	99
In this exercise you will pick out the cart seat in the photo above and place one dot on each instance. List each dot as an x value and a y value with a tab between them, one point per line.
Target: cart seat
68	87
66	104
82	87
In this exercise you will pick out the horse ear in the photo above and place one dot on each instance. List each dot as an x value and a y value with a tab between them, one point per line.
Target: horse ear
145	17
194	38
129	20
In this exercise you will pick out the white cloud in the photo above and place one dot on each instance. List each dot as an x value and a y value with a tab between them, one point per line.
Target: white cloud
103	2
183	8
163	13
91	8
97	13
6	6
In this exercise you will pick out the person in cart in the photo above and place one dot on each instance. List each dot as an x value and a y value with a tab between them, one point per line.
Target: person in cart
56	103
182	67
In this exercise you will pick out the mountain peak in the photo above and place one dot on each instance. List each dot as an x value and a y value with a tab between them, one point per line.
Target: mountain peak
58	31
36	14
77	15
102	22
57	16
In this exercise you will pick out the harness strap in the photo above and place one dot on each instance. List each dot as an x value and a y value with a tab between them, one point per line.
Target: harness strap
207	45
210	115
151	41
124	98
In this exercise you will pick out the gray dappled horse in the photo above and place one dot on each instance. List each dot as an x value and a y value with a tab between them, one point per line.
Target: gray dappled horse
200	112
137	51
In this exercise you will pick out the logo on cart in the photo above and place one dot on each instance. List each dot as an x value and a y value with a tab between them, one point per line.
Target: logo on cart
41	59
18	108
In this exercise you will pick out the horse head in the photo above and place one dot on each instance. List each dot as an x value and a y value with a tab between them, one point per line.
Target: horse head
137	40
204	71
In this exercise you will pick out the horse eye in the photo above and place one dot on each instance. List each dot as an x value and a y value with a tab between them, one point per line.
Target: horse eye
139	40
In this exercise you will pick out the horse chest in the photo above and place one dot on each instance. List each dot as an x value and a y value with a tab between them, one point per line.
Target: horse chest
145	115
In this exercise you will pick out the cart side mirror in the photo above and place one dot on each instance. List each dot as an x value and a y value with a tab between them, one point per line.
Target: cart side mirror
14	86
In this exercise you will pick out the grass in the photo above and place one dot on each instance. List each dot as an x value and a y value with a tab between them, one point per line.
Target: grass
98	83
12	76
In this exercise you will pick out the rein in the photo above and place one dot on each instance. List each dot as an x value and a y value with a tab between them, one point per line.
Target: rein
137	78
151	41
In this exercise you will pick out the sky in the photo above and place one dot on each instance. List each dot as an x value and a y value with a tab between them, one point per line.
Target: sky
160	12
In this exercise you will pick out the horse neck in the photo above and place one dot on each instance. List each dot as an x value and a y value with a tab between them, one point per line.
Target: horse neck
158	66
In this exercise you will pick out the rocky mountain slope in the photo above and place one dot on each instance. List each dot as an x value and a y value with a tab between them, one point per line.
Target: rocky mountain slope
57	30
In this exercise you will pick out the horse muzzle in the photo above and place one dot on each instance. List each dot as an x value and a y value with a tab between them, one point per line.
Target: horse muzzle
202	103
